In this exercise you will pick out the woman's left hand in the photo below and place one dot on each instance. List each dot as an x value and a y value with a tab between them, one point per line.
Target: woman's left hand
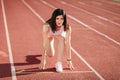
70	65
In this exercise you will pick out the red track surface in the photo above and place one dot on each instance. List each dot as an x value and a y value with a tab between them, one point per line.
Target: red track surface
100	52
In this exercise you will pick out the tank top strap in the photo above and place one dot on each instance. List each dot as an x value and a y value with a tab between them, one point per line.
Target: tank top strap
59	32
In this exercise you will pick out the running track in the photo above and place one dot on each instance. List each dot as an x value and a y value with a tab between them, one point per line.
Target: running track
95	39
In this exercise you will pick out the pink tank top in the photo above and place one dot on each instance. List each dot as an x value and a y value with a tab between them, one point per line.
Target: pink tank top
56	33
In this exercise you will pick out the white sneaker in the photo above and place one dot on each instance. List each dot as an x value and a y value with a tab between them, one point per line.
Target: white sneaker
58	67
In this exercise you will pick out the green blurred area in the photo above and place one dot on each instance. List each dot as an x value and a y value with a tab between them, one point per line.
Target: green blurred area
117	0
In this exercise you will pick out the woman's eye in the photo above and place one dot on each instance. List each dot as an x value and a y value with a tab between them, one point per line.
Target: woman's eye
61	18
57	18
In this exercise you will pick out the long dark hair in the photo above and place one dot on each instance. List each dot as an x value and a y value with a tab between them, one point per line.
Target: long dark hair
52	20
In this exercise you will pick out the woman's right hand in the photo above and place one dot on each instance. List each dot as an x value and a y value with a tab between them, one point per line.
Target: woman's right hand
43	62
70	65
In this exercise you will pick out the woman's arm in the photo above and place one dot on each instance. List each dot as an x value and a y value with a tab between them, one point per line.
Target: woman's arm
68	48
45	35
68	43
45	41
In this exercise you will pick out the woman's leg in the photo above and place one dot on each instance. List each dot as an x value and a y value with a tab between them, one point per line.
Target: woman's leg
47	51
50	49
61	45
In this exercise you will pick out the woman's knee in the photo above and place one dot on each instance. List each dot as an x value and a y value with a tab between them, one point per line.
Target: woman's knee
50	50
50	53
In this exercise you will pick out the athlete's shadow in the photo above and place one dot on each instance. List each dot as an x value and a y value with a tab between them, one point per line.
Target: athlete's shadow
32	59
5	70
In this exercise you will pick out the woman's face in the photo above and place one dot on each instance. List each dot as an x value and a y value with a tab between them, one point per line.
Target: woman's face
59	20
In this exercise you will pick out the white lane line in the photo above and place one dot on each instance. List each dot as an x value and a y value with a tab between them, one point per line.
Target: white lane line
49	72
80	57
82	3
101	78
94	30
97	3
87	26
33	11
69	72
113	3
8	43
100	17
48	4
104	9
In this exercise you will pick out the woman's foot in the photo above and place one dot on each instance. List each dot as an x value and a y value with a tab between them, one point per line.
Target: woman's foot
58	67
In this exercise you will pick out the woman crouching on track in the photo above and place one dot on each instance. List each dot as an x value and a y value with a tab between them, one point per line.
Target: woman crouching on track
57	27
